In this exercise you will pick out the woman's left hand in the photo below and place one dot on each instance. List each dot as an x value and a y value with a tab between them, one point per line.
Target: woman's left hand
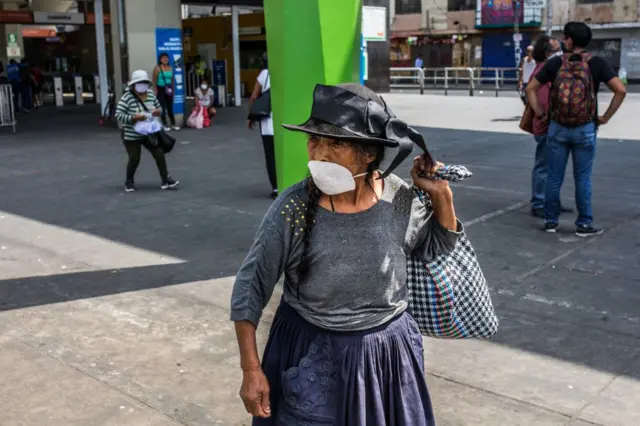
423	178
157	112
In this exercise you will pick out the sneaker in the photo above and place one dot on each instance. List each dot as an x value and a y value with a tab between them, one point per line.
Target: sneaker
176	128
169	183
167	128
550	227
129	186
585	231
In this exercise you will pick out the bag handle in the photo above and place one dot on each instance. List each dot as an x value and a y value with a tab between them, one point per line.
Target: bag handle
164	78
139	100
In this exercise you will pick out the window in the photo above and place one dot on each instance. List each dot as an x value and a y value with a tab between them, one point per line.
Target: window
455	5
404	7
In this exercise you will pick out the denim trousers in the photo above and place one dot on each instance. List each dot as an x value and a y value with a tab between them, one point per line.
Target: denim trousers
539	174
580	142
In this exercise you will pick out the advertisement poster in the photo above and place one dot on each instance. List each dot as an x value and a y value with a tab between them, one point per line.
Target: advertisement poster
169	41
501	12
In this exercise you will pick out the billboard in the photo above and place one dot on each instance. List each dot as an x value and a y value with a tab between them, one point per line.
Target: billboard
501	12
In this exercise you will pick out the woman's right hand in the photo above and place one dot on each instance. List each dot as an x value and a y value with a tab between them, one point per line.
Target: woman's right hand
255	393
139	117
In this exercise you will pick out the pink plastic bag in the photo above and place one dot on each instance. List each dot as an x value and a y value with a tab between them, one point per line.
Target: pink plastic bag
196	119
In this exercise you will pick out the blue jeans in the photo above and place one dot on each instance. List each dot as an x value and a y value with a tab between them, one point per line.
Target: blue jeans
581	143
539	174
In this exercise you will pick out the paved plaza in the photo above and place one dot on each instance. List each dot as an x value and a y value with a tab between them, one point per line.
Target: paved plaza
114	306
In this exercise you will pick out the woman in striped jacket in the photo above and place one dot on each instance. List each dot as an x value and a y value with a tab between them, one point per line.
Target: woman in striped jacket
129	111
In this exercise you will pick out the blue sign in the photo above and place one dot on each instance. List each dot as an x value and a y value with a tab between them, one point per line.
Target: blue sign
363	60
219	72
169	41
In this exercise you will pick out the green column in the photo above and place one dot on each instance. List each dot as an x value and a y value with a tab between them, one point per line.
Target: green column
309	42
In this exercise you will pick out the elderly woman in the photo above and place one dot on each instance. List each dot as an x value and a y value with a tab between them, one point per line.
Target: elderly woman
342	349
139	103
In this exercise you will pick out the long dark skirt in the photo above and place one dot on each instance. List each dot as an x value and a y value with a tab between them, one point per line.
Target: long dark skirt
366	378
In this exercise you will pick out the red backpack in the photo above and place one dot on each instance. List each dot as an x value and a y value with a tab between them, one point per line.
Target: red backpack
573	98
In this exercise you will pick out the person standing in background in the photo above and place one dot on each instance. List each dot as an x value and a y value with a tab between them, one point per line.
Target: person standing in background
419	62
545	48
25	85
165	88
525	71
575	79
266	128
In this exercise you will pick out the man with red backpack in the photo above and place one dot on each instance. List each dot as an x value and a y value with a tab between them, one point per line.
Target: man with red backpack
575	79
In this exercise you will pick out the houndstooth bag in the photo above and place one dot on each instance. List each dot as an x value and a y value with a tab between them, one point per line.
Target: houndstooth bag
449	297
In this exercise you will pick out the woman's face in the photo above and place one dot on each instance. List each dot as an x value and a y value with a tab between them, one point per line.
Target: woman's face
164	60
343	153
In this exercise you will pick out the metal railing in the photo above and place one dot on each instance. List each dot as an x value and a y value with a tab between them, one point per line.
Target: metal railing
407	78
7	107
453	78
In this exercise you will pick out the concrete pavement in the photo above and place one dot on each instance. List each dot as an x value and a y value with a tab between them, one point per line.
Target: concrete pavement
114	307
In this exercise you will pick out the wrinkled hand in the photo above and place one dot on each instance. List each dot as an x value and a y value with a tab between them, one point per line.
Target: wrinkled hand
423	178
139	117
250	124
157	112
602	120
255	393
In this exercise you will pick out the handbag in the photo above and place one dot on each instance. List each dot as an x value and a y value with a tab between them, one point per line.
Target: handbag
449	296
261	107
526	122
161	139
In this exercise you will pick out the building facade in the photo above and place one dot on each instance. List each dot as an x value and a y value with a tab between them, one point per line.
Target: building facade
441	31
615	25
495	33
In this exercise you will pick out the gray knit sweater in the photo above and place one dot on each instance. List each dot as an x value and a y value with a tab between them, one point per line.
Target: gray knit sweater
358	268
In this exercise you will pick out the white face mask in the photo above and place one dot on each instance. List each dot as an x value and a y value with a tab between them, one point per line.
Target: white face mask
141	87
204	86
332	178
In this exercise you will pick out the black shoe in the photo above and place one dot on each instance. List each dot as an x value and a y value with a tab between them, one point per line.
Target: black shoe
550	227
566	210
129	186
169	183
588	231
274	194
539	213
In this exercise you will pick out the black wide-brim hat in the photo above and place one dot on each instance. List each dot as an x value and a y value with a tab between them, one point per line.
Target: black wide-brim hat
354	113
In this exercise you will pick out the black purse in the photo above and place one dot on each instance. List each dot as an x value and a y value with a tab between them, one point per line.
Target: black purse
161	139
261	107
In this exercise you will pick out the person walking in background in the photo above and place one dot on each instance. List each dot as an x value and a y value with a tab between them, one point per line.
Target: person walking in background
164	90
575	79
545	48
419	62
130	111
266	129
13	75
36	85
